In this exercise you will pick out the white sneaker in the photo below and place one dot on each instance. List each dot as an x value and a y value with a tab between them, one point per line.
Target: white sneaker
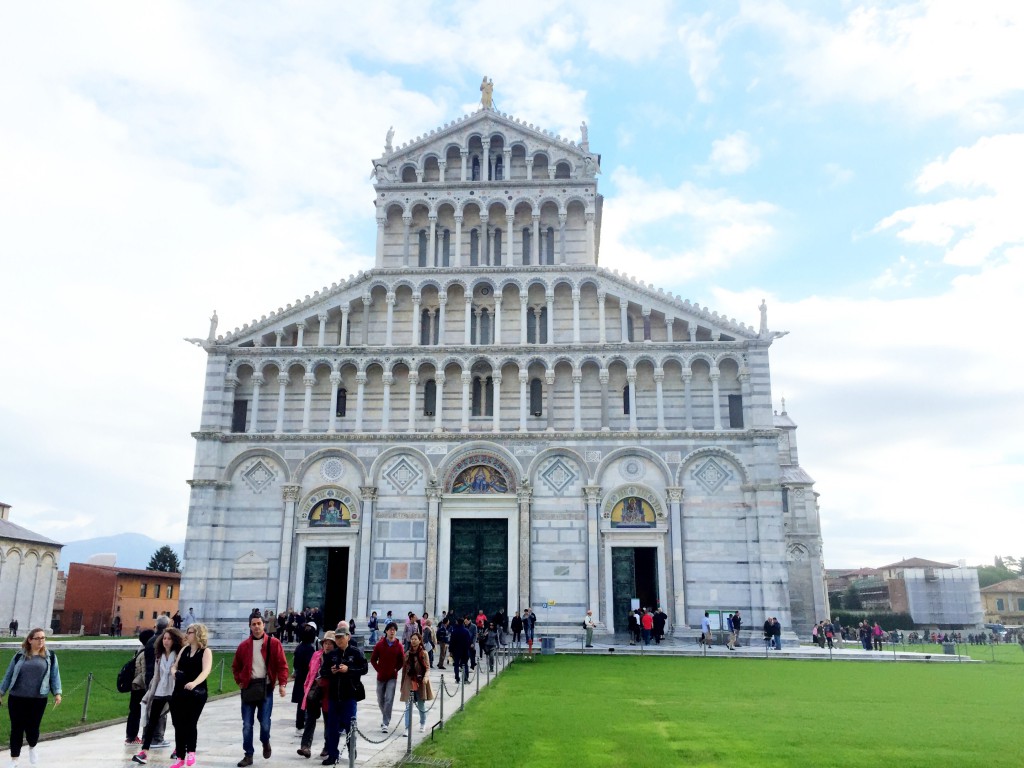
33	757
422	727
13	763
383	728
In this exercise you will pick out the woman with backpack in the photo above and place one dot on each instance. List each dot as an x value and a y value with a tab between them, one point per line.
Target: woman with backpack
31	677
161	688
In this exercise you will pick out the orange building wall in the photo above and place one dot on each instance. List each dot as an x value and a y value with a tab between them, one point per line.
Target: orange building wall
96	594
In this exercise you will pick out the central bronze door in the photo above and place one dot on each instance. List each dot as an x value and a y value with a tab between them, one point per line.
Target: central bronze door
478	576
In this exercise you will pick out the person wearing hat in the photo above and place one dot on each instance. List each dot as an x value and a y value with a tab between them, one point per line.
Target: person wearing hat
259	662
313	695
343	666
159	742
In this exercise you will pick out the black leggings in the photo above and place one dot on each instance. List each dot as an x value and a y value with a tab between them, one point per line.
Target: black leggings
26	713
185	710
156	709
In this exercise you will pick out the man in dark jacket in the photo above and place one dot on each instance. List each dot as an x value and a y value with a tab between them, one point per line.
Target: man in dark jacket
460	643
344	666
259	660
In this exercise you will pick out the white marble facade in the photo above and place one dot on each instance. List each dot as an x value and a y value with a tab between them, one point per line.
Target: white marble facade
488	336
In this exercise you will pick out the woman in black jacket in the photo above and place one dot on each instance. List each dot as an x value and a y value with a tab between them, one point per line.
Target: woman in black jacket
303	653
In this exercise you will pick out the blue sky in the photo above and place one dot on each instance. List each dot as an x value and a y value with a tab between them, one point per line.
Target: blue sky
859	166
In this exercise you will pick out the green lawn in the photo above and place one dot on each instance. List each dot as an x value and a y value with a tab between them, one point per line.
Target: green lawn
655	711
105	703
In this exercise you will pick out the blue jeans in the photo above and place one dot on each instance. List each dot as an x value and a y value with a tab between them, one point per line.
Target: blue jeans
420	705
263	712
373	638
778	642
647	636
339	715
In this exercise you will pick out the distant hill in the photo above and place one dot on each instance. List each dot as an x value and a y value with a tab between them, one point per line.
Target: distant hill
133	550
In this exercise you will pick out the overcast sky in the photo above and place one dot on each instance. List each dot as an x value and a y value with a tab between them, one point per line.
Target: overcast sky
861	169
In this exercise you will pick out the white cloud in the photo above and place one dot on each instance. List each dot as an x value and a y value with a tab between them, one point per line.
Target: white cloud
909	420
701	47
682	232
838	175
734	153
631	33
972	228
925	58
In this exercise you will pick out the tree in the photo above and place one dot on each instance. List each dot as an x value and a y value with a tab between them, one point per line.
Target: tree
851	600
164	559
1015	564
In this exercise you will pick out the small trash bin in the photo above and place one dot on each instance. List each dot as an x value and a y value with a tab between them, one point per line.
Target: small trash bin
949	649
547	646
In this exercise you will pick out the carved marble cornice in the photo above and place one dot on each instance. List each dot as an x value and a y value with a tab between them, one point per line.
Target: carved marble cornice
647	439
218	484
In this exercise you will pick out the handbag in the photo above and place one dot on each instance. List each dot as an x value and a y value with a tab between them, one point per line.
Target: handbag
358	690
255	692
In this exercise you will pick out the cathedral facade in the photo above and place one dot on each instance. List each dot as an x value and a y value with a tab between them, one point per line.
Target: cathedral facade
490	419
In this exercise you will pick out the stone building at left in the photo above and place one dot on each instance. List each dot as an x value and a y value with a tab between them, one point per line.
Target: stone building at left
28	575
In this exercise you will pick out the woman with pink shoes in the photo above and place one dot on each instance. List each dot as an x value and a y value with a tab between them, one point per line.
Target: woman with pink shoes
192	667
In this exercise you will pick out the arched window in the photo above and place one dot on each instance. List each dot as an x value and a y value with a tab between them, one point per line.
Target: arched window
537	325
423	247
536	397
499	168
476	168
629	327
425	327
342	402
484	331
549	246
527	235
446	248
474	247
429	397
625	399
496	261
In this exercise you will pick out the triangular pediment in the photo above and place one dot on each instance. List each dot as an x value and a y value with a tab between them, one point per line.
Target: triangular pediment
485	122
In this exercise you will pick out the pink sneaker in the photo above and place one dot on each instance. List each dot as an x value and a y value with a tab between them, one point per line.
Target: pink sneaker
190	759
180	763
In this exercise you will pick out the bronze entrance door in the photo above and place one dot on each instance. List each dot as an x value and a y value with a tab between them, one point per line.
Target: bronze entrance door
326	583
634	574
478	575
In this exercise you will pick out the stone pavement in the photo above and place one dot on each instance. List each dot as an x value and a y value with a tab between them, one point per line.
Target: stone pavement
220	733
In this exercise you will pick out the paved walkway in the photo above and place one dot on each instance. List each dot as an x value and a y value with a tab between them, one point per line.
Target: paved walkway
220	734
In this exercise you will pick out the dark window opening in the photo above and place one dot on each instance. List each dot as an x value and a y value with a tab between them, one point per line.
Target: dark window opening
339	411
736	411
423	248
429	397
536	397
238	415
625	400
527	235
474	247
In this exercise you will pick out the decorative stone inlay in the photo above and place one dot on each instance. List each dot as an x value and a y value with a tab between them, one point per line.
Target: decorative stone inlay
797	553
673	457
258	476
332	469
632	491
592	456
437	450
558	475
339	495
367	451
632	469
402	474
525	450
711	475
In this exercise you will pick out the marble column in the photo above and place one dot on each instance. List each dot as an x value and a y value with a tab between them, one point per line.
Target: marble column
279	333
646	313
549	380
439	402
523	396
300	330
442	302
433	532
413	381
659	377
468	319
716	406
535	240
332	419
227	415
551	318
485	239
592	494
524	300
457	260
496	417
390	300
406	223
360	399
561	238
529	168
510	250
385	417
602	332
623	320
309	380
575	315
464	155
688	397
343	335
590	238
381	226
496	335
367	301
289	497
525	539
282	385
322	330
676	539
369	495
432	242
668	329
415	341
257	382
631	381
603	377
467	379
577	407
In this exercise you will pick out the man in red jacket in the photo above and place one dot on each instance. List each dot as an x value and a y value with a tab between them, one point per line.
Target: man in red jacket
259	661
387	658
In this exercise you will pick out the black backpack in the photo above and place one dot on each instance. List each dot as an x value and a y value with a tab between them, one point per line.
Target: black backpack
126	675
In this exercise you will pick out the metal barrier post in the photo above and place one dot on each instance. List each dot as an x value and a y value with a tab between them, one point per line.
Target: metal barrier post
490	662
441	718
462	688
408	722
352	743
221	688
88	688
476	673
